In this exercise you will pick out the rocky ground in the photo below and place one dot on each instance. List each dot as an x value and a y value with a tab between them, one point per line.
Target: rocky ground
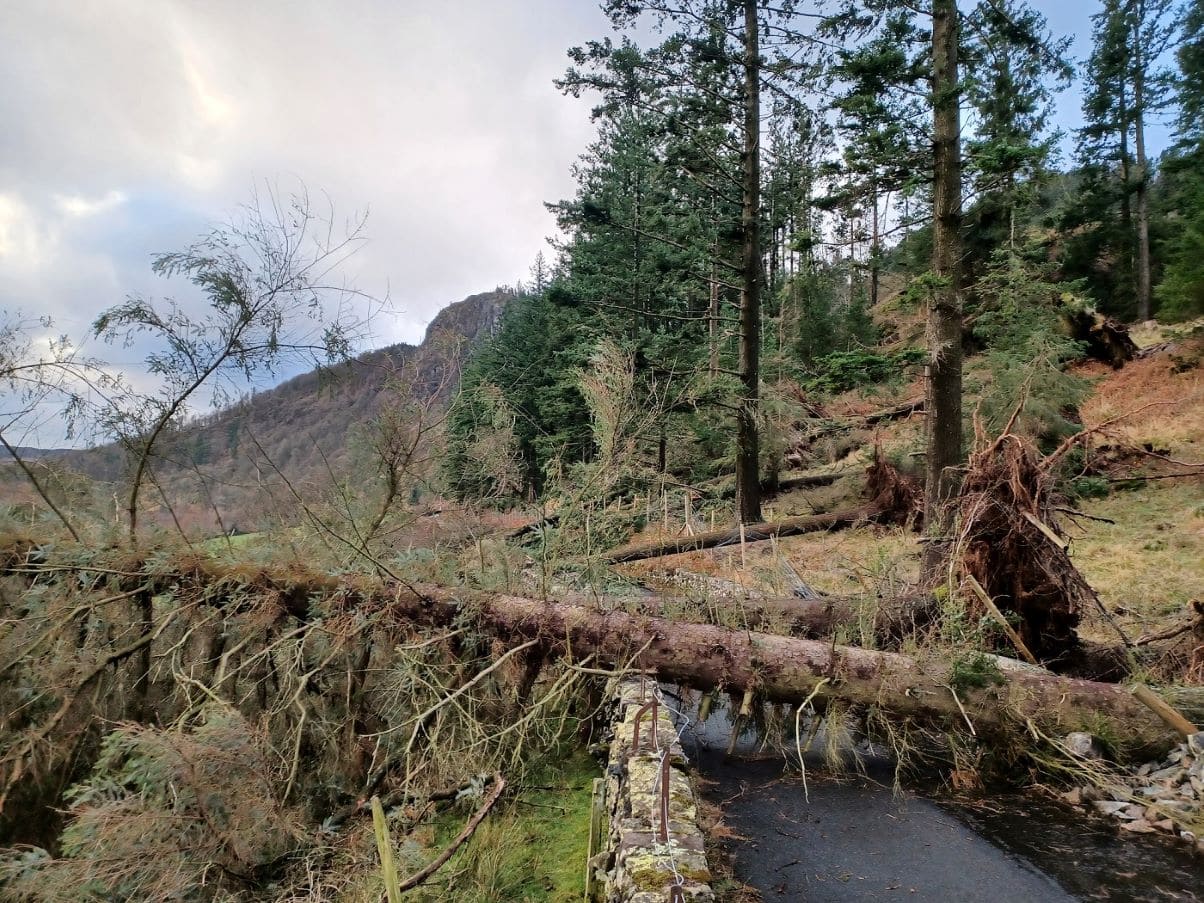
1165	796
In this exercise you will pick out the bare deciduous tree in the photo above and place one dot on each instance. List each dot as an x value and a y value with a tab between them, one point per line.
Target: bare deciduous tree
267	278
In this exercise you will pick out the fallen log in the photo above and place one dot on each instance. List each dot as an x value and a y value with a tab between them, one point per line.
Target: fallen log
998	702
791	526
898	412
894	412
887	621
787	670
809	481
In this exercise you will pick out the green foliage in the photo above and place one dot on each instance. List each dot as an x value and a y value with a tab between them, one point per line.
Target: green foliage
975	671
1088	487
1017	313
520	407
1129	42
532	850
168	814
843	370
1180	293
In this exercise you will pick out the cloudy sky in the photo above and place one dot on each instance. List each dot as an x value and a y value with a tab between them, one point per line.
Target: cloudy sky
129	125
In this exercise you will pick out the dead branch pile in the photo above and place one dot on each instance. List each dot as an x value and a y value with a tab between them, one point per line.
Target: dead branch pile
1177	653
1009	540
797	454
343	695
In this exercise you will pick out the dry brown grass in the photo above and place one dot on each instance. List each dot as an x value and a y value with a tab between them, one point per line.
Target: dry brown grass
845	562
1151	332
1154	404
1150	563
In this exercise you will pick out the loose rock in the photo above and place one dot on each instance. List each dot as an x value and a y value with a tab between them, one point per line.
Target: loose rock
1164	796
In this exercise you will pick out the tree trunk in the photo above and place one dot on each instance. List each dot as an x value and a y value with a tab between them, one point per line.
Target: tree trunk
789	670
944	371
1144	291
791	526
1126	186
780	669
713	320
748	482
875	249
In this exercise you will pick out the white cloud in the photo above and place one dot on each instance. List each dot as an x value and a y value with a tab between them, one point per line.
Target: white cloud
139	122
23	244
79	206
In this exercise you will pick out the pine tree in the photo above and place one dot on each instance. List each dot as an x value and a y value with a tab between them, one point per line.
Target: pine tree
1181	291
1125	85
708	72
1013	64
881	124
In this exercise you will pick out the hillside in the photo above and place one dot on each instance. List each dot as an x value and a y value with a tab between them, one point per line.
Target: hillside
308	429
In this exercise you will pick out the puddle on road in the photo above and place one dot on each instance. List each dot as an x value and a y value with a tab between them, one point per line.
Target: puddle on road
858	840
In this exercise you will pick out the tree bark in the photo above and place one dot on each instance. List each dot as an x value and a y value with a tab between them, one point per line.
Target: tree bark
748	482
1141	189
943	400
791	526
1126	184
787	670
780	669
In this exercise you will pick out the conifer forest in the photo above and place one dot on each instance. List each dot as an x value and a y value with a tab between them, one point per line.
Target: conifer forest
818	513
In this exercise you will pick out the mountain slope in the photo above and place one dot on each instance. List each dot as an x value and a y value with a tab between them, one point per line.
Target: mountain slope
233	468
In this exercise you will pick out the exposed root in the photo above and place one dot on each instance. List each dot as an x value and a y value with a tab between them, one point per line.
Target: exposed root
1010	541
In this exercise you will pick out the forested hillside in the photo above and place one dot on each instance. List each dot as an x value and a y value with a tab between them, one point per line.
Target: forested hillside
230	470
653	300
855	409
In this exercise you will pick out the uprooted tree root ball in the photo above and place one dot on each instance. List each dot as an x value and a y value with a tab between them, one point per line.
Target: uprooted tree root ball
1009	540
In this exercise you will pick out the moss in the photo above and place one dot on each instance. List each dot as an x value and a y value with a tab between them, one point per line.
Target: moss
533	850
975	671
649	870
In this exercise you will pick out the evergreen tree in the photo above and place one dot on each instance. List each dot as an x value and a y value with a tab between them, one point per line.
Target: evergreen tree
885	138
1013	64
1181	292
1125	85
704	83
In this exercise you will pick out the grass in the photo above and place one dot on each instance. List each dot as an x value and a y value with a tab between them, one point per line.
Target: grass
242	541
844	562
531	851
1150	563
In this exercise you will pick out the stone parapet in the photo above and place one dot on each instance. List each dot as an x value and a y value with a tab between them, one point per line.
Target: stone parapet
653	849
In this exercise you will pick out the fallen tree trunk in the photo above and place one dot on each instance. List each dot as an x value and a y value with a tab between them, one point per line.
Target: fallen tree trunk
808	481
787	669
785	484
895	412
791	526
885	621
780	669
